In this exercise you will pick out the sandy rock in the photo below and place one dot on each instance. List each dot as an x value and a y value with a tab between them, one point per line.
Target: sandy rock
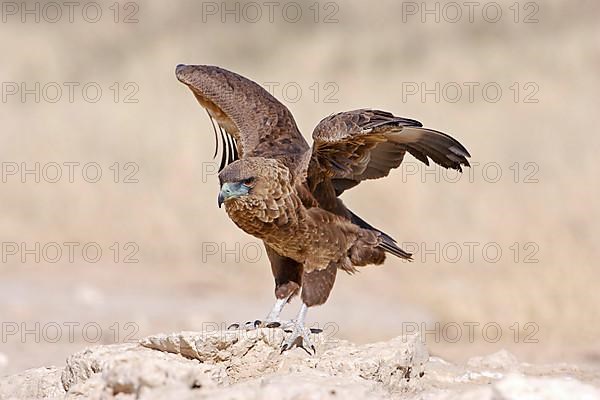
129	368
390	362
520	387
38	383
249	365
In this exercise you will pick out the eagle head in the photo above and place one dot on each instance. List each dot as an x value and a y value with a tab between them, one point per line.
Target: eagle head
254	183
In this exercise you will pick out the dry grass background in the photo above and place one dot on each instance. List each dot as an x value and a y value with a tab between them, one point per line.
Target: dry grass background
368	54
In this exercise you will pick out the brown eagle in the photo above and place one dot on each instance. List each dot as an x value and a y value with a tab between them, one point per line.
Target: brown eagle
278	189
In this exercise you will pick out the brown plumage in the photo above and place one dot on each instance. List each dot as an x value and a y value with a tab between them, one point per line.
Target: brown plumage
279	190
273	211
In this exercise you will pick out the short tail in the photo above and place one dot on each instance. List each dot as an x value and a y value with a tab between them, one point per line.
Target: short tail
388	244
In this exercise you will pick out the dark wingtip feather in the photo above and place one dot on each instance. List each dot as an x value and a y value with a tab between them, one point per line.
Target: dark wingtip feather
356	220
418	155
443	149
388	244
392	248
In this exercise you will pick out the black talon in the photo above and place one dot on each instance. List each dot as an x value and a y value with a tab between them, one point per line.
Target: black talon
257	323
316	330
233	326
306	350
273	325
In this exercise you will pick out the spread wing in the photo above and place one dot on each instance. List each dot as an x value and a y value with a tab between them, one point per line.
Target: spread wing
353	146
251	121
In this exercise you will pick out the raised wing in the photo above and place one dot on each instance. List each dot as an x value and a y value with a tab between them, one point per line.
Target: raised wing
352	146
255	122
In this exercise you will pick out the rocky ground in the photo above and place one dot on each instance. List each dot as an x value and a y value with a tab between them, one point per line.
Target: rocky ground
248	365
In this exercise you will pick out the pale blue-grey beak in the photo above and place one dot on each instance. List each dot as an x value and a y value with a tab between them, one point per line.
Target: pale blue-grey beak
232	189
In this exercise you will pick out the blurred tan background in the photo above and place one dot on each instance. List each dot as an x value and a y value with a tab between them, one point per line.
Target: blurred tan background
541	213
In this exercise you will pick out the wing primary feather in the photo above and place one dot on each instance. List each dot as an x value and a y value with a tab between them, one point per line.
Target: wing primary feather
215	131
224	153
392	248
236	156
418	155
230	153
228	146
364	224
388	243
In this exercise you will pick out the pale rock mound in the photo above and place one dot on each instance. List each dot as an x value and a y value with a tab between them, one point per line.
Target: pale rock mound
248	365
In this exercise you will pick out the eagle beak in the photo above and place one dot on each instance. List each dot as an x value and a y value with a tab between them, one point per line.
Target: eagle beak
231	189
224	193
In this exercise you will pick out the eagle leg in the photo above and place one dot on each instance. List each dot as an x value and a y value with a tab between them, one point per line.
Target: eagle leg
316	287
300	335
272	320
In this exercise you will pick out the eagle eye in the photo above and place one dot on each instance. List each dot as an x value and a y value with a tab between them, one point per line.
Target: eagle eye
248	181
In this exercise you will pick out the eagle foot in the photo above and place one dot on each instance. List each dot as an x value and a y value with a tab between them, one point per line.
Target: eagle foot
300	337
